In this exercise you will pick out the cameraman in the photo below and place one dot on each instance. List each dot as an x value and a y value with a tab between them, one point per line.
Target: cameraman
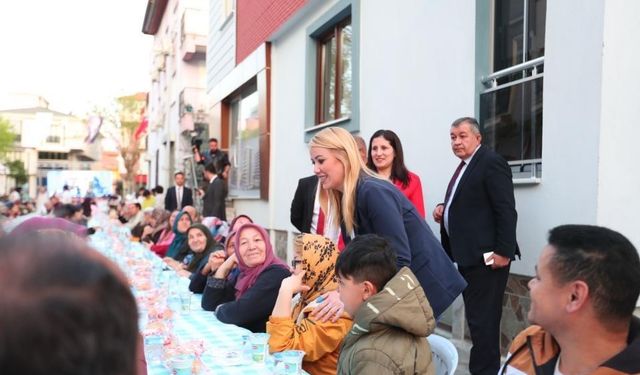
213	155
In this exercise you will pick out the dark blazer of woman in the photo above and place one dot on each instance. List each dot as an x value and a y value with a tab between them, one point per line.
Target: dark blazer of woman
379	207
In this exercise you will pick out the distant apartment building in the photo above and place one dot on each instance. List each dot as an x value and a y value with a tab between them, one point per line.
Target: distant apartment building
177	106
48	140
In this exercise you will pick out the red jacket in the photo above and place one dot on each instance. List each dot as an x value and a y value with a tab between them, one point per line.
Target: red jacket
413	192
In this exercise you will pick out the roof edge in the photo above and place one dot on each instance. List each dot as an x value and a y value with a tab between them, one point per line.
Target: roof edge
153	16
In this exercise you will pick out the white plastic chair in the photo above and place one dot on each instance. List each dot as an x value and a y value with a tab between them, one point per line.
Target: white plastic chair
444	354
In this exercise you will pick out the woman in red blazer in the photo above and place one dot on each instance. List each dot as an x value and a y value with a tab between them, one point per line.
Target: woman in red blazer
387	159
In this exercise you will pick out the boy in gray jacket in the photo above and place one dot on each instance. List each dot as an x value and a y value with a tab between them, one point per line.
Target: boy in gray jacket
391	314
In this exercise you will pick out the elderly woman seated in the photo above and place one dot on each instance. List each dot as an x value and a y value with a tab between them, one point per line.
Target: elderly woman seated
199	278
200	244
158	234
291	325
246	300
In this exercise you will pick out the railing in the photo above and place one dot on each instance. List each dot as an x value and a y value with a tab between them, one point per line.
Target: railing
526	171
491	79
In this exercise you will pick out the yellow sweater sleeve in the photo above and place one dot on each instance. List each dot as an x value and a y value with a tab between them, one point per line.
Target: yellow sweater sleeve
313	337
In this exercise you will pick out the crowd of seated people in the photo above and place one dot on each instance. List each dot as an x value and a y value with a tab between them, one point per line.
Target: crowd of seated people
348	302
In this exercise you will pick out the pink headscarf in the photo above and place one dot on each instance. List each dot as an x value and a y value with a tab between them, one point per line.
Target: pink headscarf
249	275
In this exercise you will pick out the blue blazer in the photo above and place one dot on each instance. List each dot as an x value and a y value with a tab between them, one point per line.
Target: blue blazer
382	209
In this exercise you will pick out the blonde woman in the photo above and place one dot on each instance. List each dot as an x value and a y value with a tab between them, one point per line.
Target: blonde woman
361	202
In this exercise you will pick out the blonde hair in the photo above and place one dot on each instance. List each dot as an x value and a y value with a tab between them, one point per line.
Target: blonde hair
343	146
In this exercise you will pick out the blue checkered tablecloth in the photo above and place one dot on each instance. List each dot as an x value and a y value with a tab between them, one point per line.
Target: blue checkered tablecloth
218	338
203	325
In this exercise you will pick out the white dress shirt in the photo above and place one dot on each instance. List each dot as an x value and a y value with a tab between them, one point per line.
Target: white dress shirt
455	186
179	197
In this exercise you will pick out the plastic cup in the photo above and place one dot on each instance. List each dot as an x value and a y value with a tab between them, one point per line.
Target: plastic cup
182	365
278	366
143	319
153	348
259	347
292	360
185	300
245	339
245	347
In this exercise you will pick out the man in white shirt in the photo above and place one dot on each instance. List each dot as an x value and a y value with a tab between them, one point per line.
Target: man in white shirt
179	195
67	195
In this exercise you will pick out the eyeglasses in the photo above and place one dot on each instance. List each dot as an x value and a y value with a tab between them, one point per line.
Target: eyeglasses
295	262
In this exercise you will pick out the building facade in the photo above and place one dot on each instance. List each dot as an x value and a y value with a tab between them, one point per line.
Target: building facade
553	84
47	140
177	107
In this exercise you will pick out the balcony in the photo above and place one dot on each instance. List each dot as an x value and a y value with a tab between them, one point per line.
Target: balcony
193	108
193	34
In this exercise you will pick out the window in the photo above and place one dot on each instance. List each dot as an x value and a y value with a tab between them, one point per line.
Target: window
228	10
228	7
182	107
244	144
333	71
332	63
511	106
44	155
53	139
170	55
17	130
183	34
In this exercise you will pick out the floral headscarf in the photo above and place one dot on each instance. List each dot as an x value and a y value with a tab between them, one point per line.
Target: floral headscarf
319	255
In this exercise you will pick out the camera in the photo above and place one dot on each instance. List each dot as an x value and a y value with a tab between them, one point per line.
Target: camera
196	142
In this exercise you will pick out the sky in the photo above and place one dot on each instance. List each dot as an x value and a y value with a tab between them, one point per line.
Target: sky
74	53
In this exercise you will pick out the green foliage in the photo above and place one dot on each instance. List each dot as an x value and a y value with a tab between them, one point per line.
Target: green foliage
17	171
129	109
7	136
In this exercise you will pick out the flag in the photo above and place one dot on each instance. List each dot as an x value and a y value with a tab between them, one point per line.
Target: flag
93	124
144	123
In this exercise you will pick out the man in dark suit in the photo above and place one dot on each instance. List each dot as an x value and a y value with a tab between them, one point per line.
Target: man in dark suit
179	195
478	231
214	197
303	203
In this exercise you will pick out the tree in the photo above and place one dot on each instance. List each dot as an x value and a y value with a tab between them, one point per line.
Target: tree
120	119
7	136
17	171
130	111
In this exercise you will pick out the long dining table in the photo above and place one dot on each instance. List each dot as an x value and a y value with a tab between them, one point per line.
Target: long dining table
183	327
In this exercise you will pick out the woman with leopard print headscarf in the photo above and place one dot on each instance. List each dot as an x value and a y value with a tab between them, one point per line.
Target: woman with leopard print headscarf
290	325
